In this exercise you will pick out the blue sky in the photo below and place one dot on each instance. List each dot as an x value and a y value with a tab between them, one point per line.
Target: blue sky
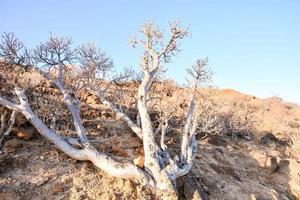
253	45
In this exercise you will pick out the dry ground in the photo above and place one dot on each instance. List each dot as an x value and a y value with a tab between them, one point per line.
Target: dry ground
224	169
264	165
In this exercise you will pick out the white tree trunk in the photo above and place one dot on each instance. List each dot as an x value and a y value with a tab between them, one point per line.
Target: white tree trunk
88	153
161	169
5	129
153	162
187	126
75	110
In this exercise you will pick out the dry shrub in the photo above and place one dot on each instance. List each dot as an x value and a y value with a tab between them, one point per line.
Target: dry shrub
210	120
240	120
247	117
219	116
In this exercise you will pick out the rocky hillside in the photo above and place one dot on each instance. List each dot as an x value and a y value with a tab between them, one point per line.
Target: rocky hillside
248	148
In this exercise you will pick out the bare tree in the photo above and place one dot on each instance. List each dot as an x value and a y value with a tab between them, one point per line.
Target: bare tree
56	54
158	163
13	50
54	59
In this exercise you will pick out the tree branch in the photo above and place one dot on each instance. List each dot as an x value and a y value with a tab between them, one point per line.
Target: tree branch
10	105
189	118
74	111
88	153
11	122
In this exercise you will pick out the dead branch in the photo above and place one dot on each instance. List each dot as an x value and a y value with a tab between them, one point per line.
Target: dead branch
96	66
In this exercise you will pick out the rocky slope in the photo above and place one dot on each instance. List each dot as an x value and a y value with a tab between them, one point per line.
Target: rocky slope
254	154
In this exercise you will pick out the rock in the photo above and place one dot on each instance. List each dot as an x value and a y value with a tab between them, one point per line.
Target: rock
274	165
58	188
26	134
139	161
91	100
192	190
10	195
294	189
12	145
65	179
284	165
20	120
252	197
119	151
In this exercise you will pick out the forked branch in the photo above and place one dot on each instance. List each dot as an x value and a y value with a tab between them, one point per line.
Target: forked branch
6	127
88	153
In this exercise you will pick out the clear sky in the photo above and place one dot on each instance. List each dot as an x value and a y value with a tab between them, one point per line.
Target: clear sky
253	45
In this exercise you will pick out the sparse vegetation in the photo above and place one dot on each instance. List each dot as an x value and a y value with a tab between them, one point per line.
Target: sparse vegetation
138	126
55	61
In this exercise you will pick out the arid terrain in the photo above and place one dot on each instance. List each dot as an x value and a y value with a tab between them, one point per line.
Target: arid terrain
149	100
250	149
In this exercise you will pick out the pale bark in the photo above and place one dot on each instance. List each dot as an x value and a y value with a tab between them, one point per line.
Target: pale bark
154	163
5	129
161	170
134	127
191	147
74	109
138	119
150	147
88	153
163	135
187	126
158	163
11	122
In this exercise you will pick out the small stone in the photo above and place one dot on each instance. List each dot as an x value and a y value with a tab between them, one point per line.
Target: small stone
58	188
139	161
64	179
252	197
